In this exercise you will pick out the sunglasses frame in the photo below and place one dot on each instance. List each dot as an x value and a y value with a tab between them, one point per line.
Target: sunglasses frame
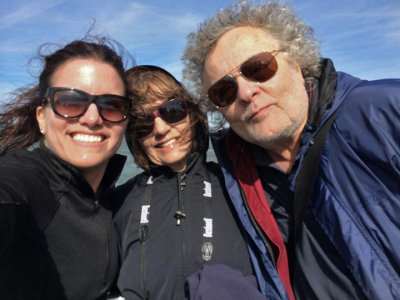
156	113
50	92
232	78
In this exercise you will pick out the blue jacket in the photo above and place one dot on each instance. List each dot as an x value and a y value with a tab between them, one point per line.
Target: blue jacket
356	196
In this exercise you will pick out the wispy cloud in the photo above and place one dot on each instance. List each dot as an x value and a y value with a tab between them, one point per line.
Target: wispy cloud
150	21
360	36
152	34
26	10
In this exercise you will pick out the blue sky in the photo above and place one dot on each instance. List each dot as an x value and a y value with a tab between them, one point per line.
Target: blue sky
361	36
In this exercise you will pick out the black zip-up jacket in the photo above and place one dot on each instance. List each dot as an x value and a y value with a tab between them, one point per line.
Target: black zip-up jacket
57	240
158	256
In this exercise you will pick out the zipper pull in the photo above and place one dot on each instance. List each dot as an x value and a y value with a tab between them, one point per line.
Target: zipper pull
179	215
143	233
96	205
183	183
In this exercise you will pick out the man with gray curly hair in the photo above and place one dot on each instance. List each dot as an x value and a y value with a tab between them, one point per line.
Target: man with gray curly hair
311	158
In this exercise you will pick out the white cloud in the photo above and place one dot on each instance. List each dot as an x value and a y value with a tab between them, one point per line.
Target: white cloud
150	23
27	10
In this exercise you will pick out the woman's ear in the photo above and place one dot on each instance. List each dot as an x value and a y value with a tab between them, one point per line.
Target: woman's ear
41	119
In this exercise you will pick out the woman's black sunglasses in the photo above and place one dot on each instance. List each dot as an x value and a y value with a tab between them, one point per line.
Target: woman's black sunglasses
73	103
172	111
258	68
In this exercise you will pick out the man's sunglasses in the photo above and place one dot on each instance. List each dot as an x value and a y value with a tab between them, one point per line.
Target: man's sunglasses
172	111
73	103
258	68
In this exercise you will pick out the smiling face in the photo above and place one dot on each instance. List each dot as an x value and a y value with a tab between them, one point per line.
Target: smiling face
169	144
269	114
86	142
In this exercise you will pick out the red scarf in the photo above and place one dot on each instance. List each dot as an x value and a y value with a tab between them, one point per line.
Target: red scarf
247	176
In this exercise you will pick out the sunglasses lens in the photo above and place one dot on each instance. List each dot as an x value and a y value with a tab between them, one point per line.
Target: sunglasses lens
173	111
69	103
223	92
260	67
113	108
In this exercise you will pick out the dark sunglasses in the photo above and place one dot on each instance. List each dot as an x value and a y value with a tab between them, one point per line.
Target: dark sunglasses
73	103
172	111
258	68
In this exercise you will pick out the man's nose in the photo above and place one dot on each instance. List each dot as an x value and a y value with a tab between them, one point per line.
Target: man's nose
246	88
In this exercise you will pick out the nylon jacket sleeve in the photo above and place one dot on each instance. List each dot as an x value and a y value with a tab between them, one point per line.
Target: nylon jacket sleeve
356	199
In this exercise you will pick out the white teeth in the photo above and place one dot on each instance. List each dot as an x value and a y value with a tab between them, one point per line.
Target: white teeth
167	143
87	138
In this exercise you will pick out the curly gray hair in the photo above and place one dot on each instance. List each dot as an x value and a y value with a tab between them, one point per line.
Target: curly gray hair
295	37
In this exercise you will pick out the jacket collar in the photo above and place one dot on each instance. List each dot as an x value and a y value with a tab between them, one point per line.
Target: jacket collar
70	175
322	93
194	163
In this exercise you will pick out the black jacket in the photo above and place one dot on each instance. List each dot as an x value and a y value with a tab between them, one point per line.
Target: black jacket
158	256
57	240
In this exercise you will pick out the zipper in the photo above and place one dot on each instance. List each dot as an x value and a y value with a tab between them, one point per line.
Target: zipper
143	238
107	255
180	216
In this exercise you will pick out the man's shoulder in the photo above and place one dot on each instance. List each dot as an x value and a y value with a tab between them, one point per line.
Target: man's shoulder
367	123
364	104
382	88
360	92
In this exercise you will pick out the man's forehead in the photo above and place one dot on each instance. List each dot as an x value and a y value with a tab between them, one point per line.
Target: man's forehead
238	44
232	49
244	36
